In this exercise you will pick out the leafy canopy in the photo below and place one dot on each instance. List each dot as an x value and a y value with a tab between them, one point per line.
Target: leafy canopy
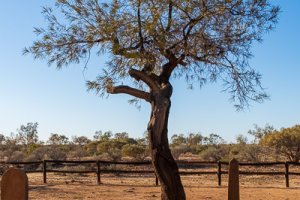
285	141
203	40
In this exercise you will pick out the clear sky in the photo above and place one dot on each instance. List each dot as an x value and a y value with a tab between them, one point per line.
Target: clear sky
30	91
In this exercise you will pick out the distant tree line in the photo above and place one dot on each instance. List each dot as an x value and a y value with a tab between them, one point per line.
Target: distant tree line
268	144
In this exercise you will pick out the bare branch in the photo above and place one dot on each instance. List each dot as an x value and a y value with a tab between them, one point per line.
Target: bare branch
169	67
130	91
146	78
140	26
169	16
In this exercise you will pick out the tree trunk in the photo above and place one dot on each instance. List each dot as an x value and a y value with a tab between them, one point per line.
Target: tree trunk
164	164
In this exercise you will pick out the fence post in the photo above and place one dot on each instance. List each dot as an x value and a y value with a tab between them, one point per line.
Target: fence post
98	173
233	180
287	183
45	171
219	173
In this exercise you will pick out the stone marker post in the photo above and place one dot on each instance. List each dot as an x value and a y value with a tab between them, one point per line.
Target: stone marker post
14	185
233	180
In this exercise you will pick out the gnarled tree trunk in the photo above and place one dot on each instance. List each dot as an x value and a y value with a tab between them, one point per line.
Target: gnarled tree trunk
164	164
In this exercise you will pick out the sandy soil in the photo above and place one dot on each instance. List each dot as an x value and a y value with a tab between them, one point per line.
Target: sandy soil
135	187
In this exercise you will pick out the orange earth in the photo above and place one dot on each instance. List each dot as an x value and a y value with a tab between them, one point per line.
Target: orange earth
125	187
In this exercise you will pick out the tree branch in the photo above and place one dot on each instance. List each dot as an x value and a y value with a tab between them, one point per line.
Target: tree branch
170	16
81	42
130	91
140	26
169	67
167	71
146	78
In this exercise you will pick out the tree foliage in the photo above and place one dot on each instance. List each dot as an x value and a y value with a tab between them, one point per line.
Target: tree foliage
245	152
198	40
2	139
213	139
58	139
28	134
285	141
259	132
134	150
80	140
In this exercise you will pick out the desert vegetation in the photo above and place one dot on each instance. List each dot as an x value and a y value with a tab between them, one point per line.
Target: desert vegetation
267	144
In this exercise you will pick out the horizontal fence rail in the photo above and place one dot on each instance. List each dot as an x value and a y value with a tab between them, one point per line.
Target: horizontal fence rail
99	167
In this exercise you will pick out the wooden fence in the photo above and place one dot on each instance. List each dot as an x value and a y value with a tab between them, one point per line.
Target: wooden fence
185	167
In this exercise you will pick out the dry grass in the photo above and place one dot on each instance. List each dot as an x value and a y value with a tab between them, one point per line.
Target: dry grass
137	187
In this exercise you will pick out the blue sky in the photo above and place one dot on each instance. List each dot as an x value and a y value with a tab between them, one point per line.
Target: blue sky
31	91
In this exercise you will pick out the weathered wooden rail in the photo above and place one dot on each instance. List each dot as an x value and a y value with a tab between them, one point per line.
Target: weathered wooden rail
100	167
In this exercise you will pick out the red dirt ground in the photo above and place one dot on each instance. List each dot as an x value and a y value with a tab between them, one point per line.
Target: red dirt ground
135	187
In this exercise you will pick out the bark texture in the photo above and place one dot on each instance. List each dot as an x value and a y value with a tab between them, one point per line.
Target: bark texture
164	164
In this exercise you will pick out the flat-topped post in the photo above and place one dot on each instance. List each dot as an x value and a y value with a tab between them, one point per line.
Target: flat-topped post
233	180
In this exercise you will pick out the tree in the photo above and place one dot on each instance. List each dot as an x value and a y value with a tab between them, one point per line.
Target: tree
134	150
28	135
151	41
111	148
2	147
213	139
91	148
241	139
2	139
259	132
194	139
178	140
81	140
11	142
245	152
214	153
285	141
56	139
122	135
97	135
105	136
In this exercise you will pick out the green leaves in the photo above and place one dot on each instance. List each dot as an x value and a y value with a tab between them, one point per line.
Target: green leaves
203	41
